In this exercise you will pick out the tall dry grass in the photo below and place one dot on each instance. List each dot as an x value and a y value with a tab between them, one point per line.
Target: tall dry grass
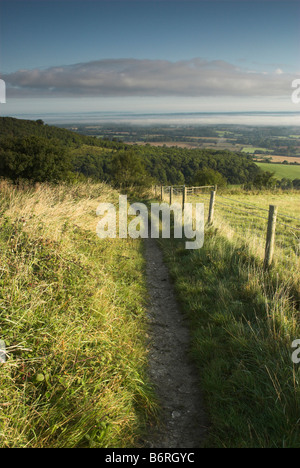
72	315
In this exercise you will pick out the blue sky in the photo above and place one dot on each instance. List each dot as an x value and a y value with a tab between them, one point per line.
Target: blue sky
143	55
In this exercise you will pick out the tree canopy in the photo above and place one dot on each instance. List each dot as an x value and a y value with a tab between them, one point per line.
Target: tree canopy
208	176
33	158
128	169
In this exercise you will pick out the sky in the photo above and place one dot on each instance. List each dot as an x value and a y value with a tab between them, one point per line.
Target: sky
75	56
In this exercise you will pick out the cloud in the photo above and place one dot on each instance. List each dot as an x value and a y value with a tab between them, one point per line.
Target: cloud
133	77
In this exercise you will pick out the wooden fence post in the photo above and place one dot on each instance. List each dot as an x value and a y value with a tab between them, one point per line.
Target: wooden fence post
171	195
161	192
155	191
212	207
270	243
183	196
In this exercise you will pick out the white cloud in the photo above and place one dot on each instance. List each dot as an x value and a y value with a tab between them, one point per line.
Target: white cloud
132	77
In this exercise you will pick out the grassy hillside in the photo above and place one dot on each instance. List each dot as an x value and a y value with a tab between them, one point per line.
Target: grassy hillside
243	321
72	306
244	215
72	314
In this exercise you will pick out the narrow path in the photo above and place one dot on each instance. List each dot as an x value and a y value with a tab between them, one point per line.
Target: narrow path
183	421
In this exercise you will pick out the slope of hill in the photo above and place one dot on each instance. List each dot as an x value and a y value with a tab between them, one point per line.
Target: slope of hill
244	318
92	156
72	315
11	127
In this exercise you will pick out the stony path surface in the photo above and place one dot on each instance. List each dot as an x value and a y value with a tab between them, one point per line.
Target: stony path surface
183	421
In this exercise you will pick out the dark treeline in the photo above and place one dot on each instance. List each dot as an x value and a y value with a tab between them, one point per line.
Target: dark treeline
38	152
179	165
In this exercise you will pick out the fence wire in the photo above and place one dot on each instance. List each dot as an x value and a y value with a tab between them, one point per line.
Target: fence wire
247	218
243	216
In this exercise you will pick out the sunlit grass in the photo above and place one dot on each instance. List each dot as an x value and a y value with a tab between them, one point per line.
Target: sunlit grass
72	314
243	321
243	217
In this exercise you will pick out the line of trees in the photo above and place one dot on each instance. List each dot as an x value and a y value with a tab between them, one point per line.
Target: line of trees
38	152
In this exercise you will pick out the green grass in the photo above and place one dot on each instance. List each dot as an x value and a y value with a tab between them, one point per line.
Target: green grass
242	323
282	171
243	319
252	149
72	314
242	215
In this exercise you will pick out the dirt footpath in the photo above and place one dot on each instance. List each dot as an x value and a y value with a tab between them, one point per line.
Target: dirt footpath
183	420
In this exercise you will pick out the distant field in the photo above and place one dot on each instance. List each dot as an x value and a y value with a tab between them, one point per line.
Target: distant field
281	170
164	143
289	159
252	149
